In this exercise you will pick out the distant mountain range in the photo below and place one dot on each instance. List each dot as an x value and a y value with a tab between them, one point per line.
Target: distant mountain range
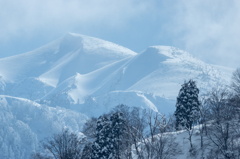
76	77
78	71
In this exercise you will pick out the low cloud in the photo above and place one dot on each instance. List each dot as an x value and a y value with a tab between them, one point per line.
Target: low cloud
208	29
29	16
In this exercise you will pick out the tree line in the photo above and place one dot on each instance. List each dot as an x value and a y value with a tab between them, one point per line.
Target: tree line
133	132
115	135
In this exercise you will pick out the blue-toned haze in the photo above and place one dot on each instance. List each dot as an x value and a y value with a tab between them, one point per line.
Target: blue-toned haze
207	29
76	59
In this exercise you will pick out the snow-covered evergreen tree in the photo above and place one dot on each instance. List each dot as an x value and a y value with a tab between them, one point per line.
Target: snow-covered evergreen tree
118	131
187	106
102	147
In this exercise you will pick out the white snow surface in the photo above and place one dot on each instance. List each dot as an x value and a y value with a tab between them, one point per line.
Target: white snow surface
24	123
76	76
158	71
181	138
61	59
30	88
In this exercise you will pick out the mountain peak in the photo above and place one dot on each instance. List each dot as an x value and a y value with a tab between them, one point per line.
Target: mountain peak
73	34
92	44
170	51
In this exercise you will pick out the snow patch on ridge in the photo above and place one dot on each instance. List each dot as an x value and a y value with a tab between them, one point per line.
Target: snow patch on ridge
95	45
148	102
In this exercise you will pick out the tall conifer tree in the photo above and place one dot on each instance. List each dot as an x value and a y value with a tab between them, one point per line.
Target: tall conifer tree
187	106
101	148
118	131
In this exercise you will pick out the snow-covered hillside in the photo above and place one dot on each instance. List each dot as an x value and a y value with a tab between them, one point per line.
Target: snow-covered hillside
2	85
76	76
78	71
30	88
181	138
61	59
24	123
149	78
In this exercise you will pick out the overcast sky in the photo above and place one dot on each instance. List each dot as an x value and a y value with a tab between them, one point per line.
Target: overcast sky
208	29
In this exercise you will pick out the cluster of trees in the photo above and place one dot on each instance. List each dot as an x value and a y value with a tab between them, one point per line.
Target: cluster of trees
213	117
64	145
116	135
124	130
220	120
217	114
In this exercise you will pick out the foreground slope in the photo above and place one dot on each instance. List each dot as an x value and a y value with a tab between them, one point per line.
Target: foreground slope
24	123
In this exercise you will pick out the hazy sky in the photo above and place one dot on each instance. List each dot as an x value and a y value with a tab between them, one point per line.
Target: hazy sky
208	29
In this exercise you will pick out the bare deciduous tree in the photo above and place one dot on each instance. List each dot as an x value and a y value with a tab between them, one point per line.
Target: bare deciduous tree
235	85
204	114
165	146
159	143
221	130
216	102
236	81
89	128
64	145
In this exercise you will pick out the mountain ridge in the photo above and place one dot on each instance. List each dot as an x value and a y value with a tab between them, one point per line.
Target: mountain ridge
76	67
63	83
55	54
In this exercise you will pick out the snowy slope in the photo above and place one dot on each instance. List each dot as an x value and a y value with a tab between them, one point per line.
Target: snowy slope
30	88
24	123
77	75
97	105
156	74
181	138
210	139
76	67
61	59
169	74
2	85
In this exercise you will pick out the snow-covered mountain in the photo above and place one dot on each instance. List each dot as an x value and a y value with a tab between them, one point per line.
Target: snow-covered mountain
76	76
150	79
55	62
81	72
